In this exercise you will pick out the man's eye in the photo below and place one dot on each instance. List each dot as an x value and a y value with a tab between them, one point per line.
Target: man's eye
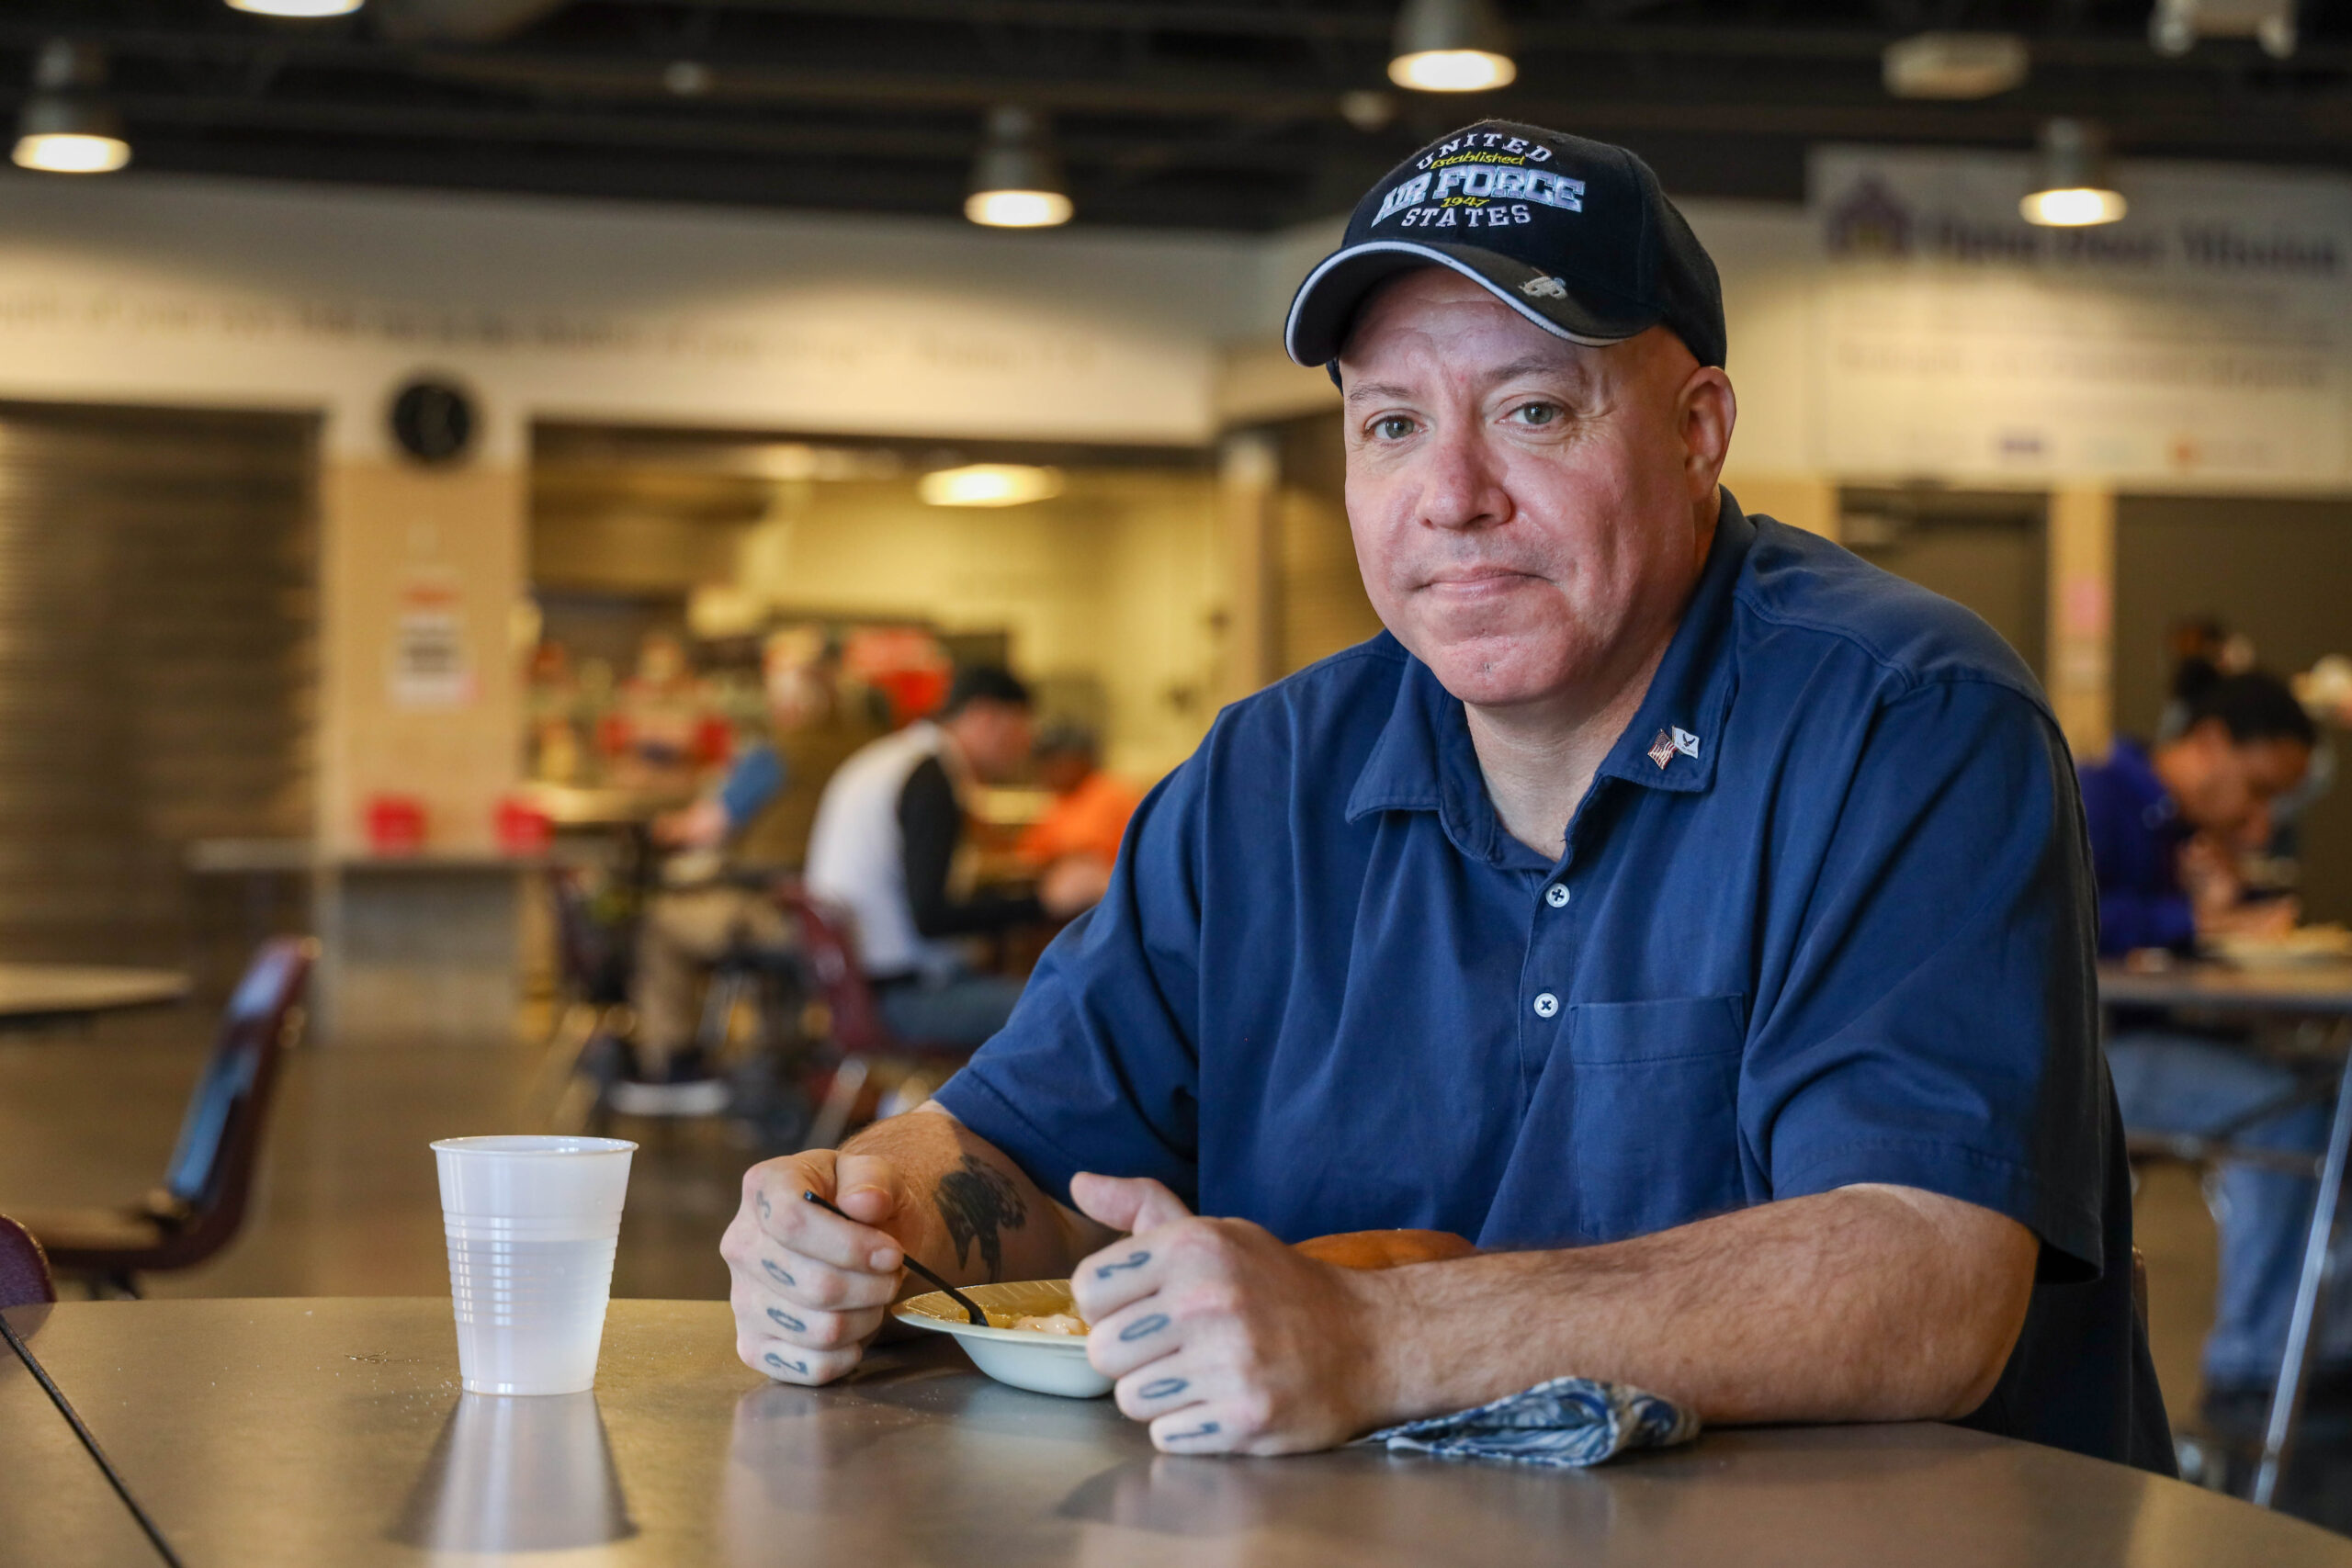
1391	427
1537	415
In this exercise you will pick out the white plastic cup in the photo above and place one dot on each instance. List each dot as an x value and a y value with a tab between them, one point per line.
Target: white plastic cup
532	1222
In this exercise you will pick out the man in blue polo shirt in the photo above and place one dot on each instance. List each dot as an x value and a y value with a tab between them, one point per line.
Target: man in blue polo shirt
1692	916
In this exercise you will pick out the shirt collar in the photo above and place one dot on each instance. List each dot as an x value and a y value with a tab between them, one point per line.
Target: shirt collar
1424	759
1672	740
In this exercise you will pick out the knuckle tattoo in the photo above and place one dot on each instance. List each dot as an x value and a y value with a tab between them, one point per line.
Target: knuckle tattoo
1143	1327
778	1275
790	1324
1205	1430
799	1369
1133	1260
1163	1388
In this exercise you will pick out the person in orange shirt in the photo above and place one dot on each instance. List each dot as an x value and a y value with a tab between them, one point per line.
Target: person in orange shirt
1088	815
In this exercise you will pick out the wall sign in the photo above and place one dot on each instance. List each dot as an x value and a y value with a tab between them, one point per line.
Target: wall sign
431	662
2200	340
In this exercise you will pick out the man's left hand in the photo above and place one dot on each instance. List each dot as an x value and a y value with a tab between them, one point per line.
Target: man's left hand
1222	1338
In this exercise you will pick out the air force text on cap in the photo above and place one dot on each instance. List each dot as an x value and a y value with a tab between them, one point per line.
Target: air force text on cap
1483	177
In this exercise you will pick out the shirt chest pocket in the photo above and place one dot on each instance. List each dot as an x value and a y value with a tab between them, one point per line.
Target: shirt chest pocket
1654	1121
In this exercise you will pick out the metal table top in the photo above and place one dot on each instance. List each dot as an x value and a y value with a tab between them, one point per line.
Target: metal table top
331	1431
2314	990
35	993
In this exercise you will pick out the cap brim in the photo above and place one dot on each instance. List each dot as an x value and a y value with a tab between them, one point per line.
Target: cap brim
1326	304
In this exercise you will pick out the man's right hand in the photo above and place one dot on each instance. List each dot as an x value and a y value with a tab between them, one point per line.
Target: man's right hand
811	1288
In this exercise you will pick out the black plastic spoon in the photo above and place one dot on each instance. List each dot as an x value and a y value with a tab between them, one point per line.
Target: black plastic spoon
971	1308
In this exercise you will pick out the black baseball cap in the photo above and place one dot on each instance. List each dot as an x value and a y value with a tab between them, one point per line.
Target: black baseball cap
1575	235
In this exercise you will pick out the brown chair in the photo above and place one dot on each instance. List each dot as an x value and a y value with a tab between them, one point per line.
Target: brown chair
201	1204
24	1273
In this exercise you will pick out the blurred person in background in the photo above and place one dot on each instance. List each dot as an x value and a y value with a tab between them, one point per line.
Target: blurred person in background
884	850
725	848
662	727
2167	825
1091	808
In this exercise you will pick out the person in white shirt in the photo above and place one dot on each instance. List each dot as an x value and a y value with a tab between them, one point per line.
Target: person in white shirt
883	847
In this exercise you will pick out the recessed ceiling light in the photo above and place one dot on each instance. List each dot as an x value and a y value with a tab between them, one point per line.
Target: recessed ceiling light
66	126
1016	179
2071	190
1954	65
1451	46
305	9
988	484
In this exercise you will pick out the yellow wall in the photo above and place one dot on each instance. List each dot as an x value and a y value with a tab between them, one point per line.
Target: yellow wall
1118	580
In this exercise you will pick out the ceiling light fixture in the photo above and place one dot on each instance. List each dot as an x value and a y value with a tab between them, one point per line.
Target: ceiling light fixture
1016	180
302	8
1954	65
1451	46
2071	189
988	484
66	126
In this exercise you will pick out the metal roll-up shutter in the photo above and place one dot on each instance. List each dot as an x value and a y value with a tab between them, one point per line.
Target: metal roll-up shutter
157	664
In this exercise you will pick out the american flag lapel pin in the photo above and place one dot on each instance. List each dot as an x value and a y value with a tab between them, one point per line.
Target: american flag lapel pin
1662	749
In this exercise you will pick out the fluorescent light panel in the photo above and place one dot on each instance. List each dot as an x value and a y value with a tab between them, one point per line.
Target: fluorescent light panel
1453	71
988	484
297	7
2076	206
67	152
1018	209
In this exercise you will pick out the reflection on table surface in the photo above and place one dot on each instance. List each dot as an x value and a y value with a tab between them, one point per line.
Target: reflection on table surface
517	1474
326	1432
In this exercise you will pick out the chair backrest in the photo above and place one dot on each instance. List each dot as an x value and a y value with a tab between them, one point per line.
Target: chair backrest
24	1269
220	1144
589	962
857	1025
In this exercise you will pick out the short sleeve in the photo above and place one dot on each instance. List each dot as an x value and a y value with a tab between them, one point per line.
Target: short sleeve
1097	1068
757	777
1936	1025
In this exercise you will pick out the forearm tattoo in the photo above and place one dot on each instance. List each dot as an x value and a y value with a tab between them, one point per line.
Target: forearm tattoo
979	1202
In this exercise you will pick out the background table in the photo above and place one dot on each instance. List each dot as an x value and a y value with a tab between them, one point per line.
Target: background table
327	1432
33	994
2320	993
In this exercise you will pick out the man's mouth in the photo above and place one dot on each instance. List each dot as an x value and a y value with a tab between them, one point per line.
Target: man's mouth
1472	579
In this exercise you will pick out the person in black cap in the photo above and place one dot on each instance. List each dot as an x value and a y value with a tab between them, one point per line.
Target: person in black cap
1691	915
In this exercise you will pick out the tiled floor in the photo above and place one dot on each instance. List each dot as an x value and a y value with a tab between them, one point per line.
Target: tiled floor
348	1204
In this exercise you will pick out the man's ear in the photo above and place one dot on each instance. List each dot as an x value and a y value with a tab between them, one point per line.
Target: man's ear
1704	415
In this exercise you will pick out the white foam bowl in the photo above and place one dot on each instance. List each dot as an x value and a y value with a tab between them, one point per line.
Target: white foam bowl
1043	1363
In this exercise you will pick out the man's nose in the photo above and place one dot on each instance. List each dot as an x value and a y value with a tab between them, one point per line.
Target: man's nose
1462	485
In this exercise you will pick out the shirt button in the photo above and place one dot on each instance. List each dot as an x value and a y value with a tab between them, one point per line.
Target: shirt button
1557	896
1546	1004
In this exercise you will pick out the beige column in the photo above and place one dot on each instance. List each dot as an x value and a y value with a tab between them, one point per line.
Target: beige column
420	695
419	565
1249	485
2082	615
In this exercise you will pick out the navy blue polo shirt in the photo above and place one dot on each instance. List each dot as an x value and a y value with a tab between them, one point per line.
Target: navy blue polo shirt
1823	918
